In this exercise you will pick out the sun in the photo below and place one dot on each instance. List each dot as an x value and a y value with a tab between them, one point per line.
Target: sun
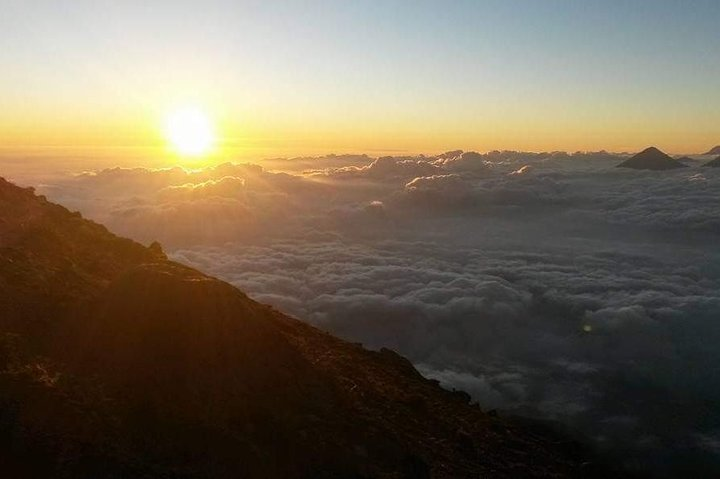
190	131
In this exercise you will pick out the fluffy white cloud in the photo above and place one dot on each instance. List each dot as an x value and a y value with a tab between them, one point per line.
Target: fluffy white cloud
469	161
225	187
386	168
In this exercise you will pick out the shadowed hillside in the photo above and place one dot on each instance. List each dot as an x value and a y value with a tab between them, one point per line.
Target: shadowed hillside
116	362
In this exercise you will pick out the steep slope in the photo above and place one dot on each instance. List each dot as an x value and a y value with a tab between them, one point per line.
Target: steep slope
713	151
713	163
651	159
116	362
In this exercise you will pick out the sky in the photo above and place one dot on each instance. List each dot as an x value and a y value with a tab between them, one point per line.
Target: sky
287	78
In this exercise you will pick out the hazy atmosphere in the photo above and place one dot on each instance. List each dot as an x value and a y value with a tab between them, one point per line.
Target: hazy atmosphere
437	178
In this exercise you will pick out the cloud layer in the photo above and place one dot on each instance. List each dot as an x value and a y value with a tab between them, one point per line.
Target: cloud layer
553	285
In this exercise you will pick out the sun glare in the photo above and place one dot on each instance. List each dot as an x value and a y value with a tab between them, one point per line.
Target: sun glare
190	132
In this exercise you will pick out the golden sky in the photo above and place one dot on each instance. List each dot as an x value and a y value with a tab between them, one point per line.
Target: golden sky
100	78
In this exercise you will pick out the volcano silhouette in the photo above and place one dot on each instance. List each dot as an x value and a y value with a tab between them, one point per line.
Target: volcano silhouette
652	159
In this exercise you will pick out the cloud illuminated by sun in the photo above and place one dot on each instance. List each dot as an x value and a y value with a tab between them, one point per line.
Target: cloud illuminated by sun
190	131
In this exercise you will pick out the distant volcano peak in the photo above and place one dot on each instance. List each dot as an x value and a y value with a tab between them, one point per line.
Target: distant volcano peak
651	149
651	159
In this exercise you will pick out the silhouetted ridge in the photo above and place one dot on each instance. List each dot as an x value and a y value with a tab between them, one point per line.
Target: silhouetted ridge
651	159
116	362
713	151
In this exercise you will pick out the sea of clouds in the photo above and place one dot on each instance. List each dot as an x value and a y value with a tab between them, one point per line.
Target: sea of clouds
547	285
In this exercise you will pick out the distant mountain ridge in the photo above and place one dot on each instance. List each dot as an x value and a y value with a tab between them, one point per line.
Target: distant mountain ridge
651	159
116	362
713	151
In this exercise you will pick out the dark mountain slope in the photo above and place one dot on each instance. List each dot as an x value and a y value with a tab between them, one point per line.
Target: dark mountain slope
651	159
713	151
116	362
